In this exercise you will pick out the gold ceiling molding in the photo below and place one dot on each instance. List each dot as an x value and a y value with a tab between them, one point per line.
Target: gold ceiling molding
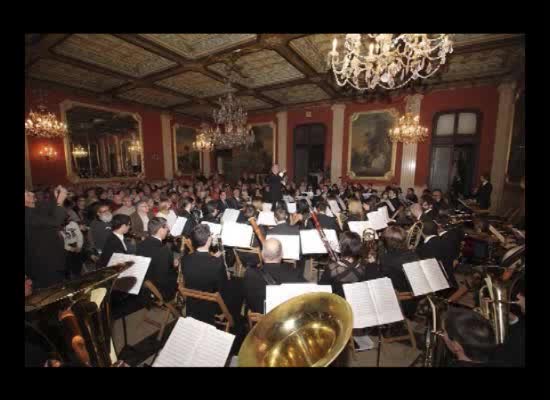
194	84
51	70
252	103
297	94
199	110
153	97
113	53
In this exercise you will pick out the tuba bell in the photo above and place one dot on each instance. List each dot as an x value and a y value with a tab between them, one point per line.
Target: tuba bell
310	330
414	234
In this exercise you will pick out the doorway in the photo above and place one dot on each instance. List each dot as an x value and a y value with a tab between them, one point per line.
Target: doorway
309	150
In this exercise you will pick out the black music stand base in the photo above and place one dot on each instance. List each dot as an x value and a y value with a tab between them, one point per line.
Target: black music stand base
379	346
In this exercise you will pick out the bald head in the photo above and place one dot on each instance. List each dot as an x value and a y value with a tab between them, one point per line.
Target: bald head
272	252
416	210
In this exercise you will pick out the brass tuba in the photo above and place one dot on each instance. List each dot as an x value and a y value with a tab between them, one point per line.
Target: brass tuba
81	312
310	330
370	245
414	234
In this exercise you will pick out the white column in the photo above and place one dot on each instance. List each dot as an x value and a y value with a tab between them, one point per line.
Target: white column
206	163
167	146
408	160
505	120
337	141
28	176
282	128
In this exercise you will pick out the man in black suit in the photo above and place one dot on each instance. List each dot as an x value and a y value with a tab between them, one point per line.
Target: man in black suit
452	237
222	202
274	272
162	271
428	213
235	202
283	227
205	272
114	243
44	246
483	193
187	205
275	183
325	221
435	247
470	338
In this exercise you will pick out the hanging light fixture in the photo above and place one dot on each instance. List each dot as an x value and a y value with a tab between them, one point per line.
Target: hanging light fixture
392	60
204	139
44	124
79	152
135	146
408	129
48	153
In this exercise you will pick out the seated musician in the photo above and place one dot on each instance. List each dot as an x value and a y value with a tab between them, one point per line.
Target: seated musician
206	272
165	211
283	227
257	203
452	236
391	263
356	212
301	217
162	271
115	240
325	221
439	203
470	338
187	205
352	268
428	212
139	220
235	202
211	213
394	200
411	196
512	352
435	247
274	272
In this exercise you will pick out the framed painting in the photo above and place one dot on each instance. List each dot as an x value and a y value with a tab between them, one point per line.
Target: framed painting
371	154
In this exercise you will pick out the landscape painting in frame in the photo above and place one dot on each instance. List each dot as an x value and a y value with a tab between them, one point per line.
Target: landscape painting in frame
371	153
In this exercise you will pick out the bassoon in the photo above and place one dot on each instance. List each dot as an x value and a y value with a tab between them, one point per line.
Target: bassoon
332	254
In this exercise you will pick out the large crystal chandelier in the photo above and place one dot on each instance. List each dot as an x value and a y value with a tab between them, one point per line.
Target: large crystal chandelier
79	152
392	60
44	124
408	129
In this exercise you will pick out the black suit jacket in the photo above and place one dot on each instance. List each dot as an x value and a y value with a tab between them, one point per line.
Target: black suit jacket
234	203
428	215
189	224
439	249
112	245
326	222
391	265
483	195
284	229
161	271
204	272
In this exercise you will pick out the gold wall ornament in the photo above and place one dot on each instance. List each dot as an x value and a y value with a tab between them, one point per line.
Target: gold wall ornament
44	124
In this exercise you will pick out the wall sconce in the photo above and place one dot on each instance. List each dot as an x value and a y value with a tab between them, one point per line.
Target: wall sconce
48	153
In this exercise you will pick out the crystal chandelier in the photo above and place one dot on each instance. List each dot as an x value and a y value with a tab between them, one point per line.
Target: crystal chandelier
408	130
79	152
135	146
44	124
391	62
204	140
48	153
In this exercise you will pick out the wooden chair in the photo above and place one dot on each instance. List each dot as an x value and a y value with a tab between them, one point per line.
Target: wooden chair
292	262
240	268
224	319
253	318
402	296
158	301
312	264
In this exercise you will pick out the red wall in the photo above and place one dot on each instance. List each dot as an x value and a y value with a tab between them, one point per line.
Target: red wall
483	98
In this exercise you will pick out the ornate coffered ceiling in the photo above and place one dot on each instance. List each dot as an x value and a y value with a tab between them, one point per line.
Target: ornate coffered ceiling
185	73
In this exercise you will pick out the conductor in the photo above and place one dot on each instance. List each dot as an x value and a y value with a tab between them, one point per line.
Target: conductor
275	180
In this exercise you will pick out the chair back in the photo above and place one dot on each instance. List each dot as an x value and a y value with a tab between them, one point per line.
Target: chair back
213	298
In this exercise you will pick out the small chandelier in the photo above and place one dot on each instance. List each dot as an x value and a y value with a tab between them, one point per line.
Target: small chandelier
44	124
408	130
204	139
135	146
79	152
48	153
391	62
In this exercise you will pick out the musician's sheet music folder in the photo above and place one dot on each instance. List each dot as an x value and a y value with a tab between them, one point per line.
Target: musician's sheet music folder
237	235
230	215
290	245
425	276
194	343
278	294
312	243
178	226
136	272
373	303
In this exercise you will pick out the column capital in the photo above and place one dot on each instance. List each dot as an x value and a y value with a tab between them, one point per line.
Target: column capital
413	103
281	114
337	107
506	87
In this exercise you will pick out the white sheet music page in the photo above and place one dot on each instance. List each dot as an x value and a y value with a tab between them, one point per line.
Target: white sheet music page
291	207
311	242
178	226
384	212
362	304
266	218
390	205
180	346
136	272
290	244
332	238
334	207
278	294
213	349
358	227
266	206
434	274
237	235
230	215
376	220
417	279
215	229
385	301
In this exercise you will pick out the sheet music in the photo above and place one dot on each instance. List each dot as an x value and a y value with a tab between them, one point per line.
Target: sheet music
498	235
230	215
390	205
341	203
362	305
215	229
417	279
335	208
384	212
358	227
266	218
237	235
290	244
376	220
329	213
193	343
385	301
434	274
288	199
137	271
291	207
278	294
178	226
313	244
266	206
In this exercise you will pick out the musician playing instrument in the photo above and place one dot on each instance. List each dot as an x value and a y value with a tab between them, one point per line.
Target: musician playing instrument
283	227
120	225
325	221
428	213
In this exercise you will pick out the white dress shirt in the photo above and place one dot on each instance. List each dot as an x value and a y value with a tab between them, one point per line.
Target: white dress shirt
428	238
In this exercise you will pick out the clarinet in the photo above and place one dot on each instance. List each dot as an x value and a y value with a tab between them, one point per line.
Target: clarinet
332	254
